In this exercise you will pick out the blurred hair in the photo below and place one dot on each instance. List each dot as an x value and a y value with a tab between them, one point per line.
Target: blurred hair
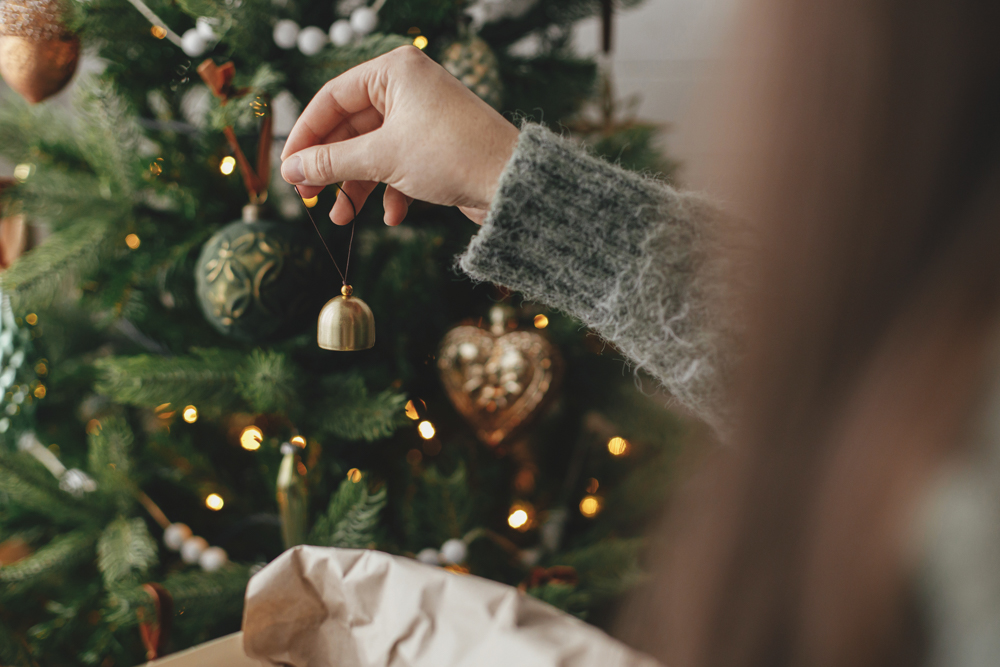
862	145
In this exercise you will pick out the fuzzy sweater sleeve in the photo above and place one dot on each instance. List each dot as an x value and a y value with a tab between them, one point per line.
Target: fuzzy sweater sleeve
622	253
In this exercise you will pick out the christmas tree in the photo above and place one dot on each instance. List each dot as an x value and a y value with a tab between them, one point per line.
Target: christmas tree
167	420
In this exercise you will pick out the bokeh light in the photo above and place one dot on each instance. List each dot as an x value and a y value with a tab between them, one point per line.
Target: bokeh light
190	414
618	446
426	430
214	502
250	438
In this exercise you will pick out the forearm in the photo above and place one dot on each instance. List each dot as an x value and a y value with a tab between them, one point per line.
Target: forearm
623	253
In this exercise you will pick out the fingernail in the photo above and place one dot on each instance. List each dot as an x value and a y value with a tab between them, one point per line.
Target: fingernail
291	170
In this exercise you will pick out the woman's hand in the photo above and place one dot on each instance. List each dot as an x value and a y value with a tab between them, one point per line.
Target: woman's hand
399	119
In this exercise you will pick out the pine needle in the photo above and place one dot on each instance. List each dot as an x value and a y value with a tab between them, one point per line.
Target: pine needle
352	518
125	551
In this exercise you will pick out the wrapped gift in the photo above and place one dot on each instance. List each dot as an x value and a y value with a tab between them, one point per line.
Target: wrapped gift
318	607
224	652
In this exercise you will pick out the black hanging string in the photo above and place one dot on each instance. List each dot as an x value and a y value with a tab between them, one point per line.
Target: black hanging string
350	244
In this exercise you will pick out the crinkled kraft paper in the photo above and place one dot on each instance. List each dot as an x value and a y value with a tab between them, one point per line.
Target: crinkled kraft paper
316	607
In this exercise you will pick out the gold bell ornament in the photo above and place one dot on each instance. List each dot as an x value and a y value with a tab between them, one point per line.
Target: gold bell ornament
346	323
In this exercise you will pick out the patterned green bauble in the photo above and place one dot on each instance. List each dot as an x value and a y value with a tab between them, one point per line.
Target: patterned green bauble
473	62
257	280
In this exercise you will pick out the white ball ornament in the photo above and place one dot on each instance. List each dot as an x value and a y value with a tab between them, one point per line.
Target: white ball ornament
341	33
311	40
175	534
193	44
286	33
363	20
205	29
213	558
429	556
453	552
192	549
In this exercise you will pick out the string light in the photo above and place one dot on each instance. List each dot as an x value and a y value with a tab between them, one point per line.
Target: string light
426	430
31	319
132	241
214	502
40	391
227	165
521	516
354	475
93	427
190	414
298	441
251	438
618	446
41	368
517	519
23	171
541	321
420	42
159	32
311	202
411	409
155	168
591	506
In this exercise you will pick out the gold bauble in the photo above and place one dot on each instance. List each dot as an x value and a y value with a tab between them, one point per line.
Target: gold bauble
38	55
346	323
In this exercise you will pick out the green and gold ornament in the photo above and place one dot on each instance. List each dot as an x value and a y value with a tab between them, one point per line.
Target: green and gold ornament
256	279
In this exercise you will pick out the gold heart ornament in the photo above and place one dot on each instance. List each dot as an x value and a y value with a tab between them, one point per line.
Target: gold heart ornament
498	379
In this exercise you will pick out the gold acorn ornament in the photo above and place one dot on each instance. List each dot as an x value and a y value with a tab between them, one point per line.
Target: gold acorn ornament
472	61
346	323
38	54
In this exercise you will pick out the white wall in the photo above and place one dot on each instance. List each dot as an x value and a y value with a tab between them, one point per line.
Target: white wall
662	50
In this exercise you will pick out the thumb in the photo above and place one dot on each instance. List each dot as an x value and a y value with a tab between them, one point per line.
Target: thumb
363	158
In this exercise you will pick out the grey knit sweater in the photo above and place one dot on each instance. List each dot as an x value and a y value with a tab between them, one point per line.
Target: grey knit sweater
620	252
626	256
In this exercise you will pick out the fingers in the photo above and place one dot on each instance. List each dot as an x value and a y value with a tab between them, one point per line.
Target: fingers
346	208
396	206
363	158
337	101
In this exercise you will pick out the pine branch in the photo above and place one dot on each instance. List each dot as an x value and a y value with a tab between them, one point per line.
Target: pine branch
352	415
199	596
206	379
606	569
110	461
439	508
266	381
69	253
62	553
13	650
110	141
352	518
27	486
125	551
245	112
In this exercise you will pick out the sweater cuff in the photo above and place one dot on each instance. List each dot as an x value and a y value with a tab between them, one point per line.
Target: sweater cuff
620	252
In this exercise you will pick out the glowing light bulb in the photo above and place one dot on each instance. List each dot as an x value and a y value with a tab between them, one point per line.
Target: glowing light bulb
426	430
214	502
40	391
227	165
132	241
354	475
159	32
411	410
31	319
618	446
22	171
541	321
420	42
190	414
251	438
591	506
298	441
311	201
517	519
